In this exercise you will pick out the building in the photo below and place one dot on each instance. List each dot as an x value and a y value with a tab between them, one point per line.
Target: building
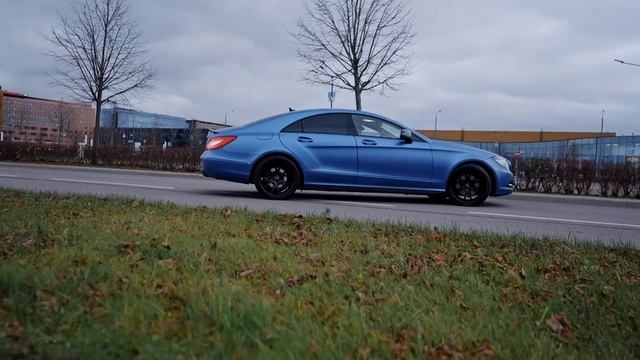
29	119
134	119
604	150
200	124
120	126
583	146
511	136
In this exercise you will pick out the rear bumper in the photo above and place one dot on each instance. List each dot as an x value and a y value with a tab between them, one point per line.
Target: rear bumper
218	165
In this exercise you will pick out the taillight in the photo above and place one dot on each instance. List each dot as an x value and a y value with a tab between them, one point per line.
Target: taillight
218	142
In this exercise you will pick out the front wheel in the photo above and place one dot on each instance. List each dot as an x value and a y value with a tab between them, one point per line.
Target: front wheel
469	185
277	178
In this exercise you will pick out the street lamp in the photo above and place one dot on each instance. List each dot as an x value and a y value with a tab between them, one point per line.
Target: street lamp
598	142
227	113
435	127
332	94
625	62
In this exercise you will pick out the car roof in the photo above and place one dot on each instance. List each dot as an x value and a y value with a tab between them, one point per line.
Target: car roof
279	121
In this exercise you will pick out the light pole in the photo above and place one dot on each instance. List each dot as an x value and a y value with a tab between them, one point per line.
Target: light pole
598	142
227	113
435	126
332	94
625	62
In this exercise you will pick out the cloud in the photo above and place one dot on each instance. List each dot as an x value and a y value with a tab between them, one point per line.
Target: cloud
488	65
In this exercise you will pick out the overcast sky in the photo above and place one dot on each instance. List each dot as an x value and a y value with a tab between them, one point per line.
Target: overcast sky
489	65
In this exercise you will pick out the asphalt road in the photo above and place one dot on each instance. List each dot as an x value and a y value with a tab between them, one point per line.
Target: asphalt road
511	215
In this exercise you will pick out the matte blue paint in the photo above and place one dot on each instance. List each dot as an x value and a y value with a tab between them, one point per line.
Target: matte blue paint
349	162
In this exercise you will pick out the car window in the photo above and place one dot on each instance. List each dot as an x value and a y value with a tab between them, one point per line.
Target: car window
294	127
327	124
374	127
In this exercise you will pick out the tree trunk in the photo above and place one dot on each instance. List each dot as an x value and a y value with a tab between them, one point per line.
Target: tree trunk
358	93
96	133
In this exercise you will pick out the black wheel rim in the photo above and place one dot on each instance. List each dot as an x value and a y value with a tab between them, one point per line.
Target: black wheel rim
276	180
467	186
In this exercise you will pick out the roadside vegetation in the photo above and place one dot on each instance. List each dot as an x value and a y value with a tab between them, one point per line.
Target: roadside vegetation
90	277
564	176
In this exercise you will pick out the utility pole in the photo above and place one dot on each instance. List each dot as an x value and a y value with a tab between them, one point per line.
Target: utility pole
225	115
435	126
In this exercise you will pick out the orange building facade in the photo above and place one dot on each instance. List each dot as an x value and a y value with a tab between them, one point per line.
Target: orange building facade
511	136
29	119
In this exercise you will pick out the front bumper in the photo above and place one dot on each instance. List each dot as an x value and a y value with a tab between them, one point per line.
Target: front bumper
504	183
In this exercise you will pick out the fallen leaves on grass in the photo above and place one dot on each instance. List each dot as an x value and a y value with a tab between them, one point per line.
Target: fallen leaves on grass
559	325
436	235
439	259
14	331
171	264
444	352
126	248
484	352
400	344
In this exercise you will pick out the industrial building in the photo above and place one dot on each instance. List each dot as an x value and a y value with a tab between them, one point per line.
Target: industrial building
30	119
120	126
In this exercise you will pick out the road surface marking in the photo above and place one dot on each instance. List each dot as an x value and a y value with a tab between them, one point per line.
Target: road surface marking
554	219
360	203
114	183
9	176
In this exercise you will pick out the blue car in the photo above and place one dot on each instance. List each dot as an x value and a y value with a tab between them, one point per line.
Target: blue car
348	150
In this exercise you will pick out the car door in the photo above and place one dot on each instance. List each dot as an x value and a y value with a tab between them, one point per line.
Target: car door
384	160
326	146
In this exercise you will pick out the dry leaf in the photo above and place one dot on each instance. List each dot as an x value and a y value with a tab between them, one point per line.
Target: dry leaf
485	352
439	259
245	273
444	352
559	325
126	248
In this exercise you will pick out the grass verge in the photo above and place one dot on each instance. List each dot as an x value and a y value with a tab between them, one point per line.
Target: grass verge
89	277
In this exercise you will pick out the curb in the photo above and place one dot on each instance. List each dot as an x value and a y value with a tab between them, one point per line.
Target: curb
576	199
100	168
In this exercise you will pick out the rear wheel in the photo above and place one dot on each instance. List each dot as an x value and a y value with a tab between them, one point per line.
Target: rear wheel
469	185
277	178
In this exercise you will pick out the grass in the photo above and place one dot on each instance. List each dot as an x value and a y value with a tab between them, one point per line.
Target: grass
90	277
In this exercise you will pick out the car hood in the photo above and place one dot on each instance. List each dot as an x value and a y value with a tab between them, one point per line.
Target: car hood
457	147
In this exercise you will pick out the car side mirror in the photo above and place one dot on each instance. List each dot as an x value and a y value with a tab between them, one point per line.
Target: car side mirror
406	135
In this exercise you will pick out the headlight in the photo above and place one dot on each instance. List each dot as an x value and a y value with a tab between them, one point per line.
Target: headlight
503	162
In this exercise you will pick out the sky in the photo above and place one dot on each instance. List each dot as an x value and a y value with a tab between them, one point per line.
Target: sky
488	65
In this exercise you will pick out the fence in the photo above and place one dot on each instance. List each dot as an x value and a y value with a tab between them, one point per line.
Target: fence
602	151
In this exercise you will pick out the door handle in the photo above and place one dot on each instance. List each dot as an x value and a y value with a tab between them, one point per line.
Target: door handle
369	142
304	139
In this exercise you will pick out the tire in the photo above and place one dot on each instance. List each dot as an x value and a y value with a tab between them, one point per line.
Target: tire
277	178
469	185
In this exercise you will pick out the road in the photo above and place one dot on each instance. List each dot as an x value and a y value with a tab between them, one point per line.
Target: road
510	215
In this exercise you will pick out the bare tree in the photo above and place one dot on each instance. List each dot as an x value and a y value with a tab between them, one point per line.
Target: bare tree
101	55
361	44
62	116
